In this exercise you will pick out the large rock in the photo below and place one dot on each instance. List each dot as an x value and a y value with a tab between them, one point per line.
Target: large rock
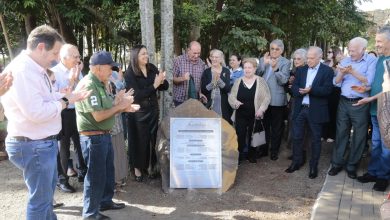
384	117
194	109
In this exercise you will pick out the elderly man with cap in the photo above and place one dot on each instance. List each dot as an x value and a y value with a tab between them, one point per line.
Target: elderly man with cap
95	119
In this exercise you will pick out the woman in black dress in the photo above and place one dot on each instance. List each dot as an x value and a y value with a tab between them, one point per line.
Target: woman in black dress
249	97
146	80
215	85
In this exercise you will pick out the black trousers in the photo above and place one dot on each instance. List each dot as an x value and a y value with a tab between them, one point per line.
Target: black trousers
329	129
244	128
69	130
142	132
274	126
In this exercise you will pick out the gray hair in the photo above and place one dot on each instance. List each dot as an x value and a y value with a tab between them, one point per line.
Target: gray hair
385	30
220	53
359	41
300	52
317	50
278	43
65	49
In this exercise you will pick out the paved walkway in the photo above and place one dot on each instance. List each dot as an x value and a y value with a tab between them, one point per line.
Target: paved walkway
345	198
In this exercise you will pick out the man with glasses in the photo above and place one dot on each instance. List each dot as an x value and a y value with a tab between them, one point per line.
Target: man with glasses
67	73
275	69
355	75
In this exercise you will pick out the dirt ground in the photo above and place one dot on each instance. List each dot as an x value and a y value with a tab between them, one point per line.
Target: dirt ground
261	191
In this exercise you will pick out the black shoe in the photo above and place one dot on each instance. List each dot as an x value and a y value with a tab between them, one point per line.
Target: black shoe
352	174
139	178
252	160
380	185
292	168
65	187
262	153
113	206
98	217
366	178
274	156
313	172
80	179
334	171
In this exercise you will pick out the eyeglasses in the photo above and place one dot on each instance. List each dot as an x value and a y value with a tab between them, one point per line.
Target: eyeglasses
298	58
275	48
330	51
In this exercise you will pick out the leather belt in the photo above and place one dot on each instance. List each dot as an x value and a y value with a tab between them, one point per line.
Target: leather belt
305	105
351	99
25	139
91	133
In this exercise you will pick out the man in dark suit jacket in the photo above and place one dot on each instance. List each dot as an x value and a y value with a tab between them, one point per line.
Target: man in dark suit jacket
311	88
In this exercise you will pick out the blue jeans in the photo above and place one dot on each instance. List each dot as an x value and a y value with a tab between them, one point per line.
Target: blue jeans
99	183
379	165
38	161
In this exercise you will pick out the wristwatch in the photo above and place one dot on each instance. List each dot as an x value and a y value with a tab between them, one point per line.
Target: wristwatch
66	101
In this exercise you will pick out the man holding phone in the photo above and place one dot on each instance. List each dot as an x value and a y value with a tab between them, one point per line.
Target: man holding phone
379	167
355	75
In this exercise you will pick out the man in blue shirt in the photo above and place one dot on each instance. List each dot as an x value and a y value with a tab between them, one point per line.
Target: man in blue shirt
355	75
379	166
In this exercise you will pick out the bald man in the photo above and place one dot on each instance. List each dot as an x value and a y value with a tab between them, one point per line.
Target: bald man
311	88
67	73
187	68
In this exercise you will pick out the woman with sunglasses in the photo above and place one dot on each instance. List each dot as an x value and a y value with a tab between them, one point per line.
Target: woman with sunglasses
334	56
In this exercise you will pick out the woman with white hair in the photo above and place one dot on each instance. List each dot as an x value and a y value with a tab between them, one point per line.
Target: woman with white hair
215	85
299	60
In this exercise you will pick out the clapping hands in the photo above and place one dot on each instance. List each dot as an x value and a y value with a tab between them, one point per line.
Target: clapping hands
5	82
77	95
159	79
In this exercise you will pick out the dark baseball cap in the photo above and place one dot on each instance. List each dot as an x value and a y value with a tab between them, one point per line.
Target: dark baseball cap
102	58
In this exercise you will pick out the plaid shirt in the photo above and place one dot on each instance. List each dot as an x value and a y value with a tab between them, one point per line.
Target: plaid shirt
182	65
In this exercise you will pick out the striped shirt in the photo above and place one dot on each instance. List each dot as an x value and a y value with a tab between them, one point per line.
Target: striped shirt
181	65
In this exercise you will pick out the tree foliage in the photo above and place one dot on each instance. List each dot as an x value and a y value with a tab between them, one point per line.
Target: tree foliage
243	26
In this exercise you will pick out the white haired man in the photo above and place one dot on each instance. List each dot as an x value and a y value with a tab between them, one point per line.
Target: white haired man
355	75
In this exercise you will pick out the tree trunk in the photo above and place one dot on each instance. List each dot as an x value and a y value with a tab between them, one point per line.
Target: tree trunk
5	33
29	22
89	40
147	28
64	29
80	41
167	47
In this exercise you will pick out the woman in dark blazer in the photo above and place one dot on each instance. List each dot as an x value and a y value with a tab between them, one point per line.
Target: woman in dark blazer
215	85
146	80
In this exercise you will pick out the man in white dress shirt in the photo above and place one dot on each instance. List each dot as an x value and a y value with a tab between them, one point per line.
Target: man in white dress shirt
67	73
33	110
